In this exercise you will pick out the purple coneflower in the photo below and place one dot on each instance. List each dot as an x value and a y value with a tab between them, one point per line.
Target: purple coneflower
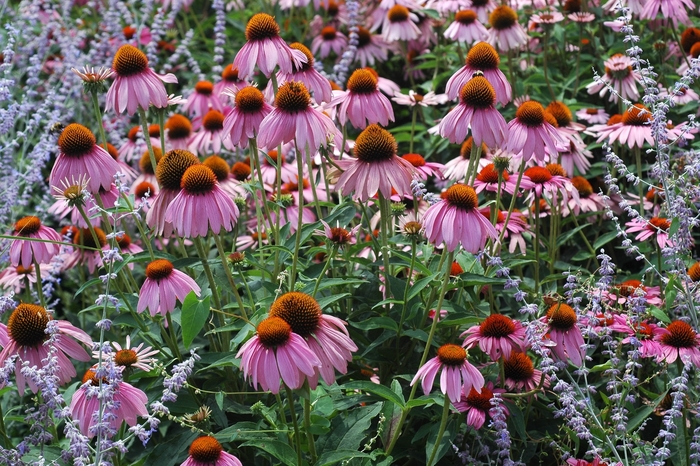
136	85
128	403
326	335
633	130
530	134
375	167
678	340
202	99
497	336
201	205
487	179
169	173
674	10
362	103
207	451
466	28
318	85
178	130
521	374
413	99
424	169
549	182
505	30
79	155
620	76
25	335
655	227
265	48
274	353
127	357
229	78
209	137
475	111
481	57
329	40
399	24
243	121
593	116
370	47
563	331
476	405
163	286
458	374
294	119
23	252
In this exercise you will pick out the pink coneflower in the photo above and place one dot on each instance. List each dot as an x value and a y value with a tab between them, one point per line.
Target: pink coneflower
136	85
127	357
517	225
127	246
679	340
72	193
563	331
483	8
497	336
456	169
16	277
458	375
229	78
475	111
644	333
424	169
337	235
329	40
148	173
25	335
476	405
265	48
487	179
169	173
362	103
550	182
303	188
207	451
575	155
466	28
178	130
633	130
413	99
88	249
318	85
209	137
24	252
79	155
593	115
326	335
546	19
481	57
294	119
521	374
202	99
399	24
505	30
675	10
289	214
243	122
201	205
128	403
375	167
655	227
269	171
588	201
620	293
130	149
251	240
680	96
370	47
129	173
274	353
581	17
163	285
620	76
456	219
530	134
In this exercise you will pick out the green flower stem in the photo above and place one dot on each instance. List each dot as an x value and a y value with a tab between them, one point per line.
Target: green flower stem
300	216
537	244
414	115
27	289
255	163
139	226
404	301
161	124
384	218
147	137
640	184
544	63
441	431
201	251
98	115
311	442
39	290
312	182
512	202
473	166
433	327
229	275
295	423
331	255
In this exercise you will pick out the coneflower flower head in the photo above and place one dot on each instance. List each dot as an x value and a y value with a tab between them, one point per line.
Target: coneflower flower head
136	84
481	57
207	451
243	122
80	156
265	48
24	252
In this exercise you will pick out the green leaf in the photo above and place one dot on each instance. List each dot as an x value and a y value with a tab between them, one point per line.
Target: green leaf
659	314
329	282
376	389
194	315
333	457
604	239
349	430
326	301
670	293
675	223
87	284
562	239
418	286
279	450
472	279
